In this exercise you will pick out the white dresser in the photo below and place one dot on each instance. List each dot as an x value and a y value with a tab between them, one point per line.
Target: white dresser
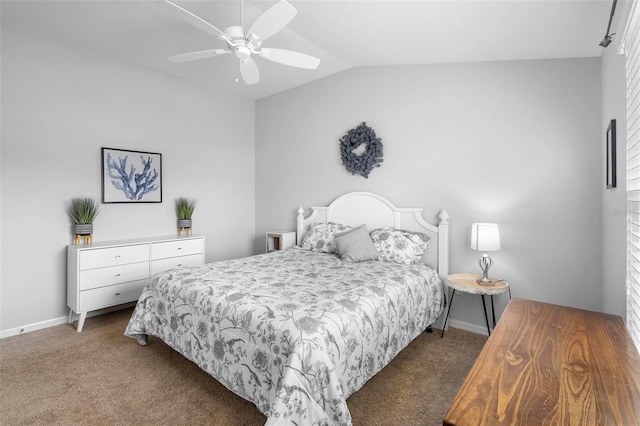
114	272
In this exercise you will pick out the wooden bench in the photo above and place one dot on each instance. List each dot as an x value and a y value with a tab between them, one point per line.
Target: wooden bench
552	365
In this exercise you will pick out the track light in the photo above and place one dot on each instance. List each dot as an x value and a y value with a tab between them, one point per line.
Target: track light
606	41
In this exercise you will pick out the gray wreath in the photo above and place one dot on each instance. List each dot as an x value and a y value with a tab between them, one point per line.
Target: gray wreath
361	163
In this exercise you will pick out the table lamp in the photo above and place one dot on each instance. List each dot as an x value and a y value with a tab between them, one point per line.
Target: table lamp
485	237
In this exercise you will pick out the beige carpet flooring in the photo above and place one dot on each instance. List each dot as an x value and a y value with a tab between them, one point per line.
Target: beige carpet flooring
101	377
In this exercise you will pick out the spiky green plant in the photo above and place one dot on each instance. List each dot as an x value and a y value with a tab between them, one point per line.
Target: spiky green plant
83	210
185	208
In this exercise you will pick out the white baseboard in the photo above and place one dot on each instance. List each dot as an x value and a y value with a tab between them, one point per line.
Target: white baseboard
57	321
467	326
32	327
462	325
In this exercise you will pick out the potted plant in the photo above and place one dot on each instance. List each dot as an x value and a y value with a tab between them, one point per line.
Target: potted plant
184	210
83	210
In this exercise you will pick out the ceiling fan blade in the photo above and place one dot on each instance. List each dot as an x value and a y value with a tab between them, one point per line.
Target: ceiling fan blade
194	20
249	71
201	54
273	20
291	58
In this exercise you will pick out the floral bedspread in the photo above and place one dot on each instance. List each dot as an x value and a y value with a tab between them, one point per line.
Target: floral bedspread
295	332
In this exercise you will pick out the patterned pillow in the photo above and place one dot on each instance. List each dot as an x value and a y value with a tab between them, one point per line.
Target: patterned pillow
320	236
399	246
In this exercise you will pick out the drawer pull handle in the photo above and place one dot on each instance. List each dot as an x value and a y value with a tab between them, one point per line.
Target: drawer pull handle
117	294
117	256
179	264
117	275
179	248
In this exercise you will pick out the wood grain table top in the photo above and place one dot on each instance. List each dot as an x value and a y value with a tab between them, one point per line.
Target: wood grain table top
468	283
546	364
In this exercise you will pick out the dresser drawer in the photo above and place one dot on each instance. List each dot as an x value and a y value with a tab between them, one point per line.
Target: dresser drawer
109	296
168	249
101	277
112	256
176	262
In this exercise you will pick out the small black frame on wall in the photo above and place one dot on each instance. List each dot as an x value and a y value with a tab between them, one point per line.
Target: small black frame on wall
611	155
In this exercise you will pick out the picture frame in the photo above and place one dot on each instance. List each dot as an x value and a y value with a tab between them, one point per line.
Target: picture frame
131	176
611	155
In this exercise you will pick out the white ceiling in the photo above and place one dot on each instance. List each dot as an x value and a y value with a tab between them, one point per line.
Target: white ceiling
342	33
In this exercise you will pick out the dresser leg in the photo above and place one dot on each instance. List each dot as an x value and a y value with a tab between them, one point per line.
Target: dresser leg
83	316
70	316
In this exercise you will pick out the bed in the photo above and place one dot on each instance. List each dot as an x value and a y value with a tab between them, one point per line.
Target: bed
297	331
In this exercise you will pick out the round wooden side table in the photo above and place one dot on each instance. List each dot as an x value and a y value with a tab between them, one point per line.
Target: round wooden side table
467	283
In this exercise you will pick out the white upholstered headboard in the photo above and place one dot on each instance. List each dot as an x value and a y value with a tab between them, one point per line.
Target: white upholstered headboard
356	208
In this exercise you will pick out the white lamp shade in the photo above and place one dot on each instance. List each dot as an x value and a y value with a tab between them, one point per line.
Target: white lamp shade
485	237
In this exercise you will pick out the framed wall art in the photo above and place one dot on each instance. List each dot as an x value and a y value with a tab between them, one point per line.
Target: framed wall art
611	155
131	176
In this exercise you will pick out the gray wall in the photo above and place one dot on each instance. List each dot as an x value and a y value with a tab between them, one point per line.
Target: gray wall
60	105
516	143
614	222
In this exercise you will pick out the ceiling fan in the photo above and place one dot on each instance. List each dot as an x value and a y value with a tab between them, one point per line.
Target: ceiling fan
245	45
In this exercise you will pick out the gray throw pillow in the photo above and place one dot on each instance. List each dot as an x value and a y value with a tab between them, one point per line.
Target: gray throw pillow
355	245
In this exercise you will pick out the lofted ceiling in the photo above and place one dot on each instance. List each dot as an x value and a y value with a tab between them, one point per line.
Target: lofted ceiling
342	33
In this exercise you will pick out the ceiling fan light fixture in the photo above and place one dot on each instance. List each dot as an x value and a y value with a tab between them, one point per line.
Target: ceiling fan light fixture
244	45
242	52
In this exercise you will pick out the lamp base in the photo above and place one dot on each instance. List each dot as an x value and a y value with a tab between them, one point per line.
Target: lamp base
484	281
485	263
